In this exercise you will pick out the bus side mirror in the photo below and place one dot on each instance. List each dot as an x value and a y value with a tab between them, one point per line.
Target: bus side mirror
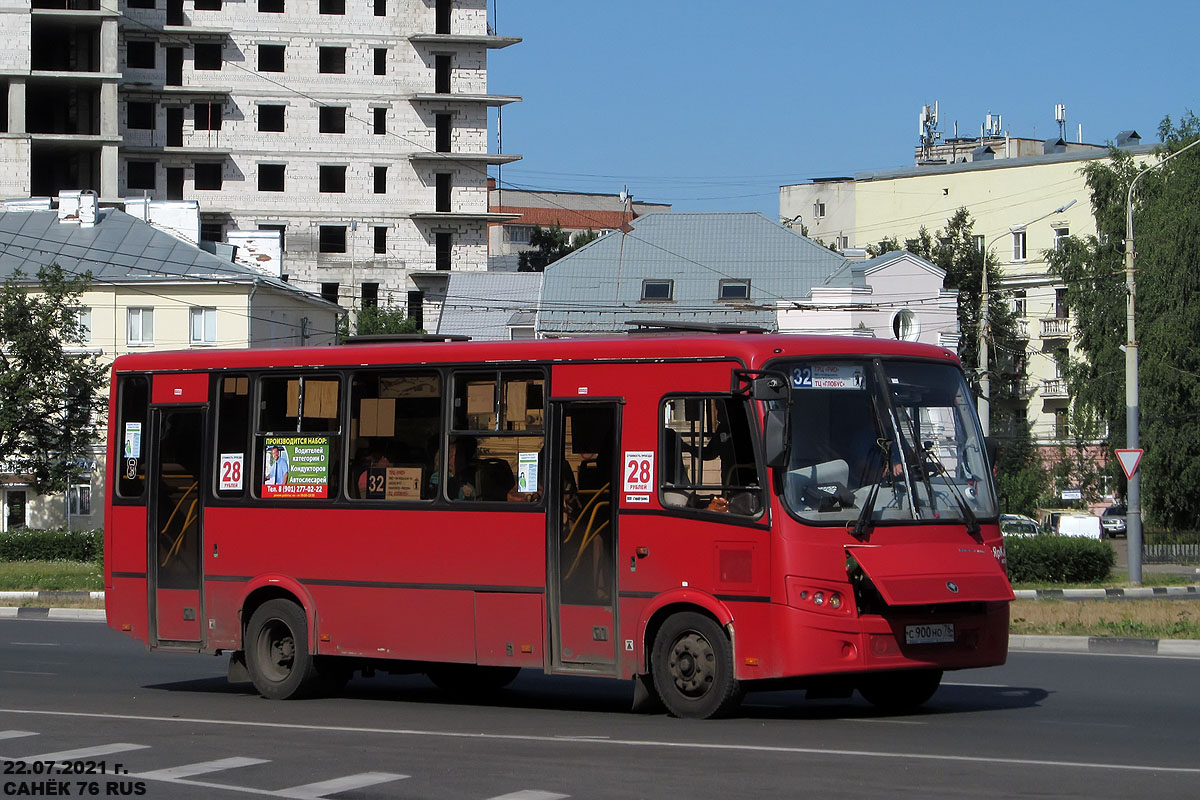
775	436
770	386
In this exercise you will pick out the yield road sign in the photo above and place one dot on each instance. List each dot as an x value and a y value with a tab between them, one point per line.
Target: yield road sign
1129	461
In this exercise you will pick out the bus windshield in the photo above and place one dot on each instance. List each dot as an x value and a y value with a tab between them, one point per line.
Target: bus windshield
898	438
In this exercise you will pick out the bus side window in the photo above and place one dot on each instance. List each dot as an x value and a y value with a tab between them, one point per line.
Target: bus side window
233	435
395	424
298	437
133	399
707	461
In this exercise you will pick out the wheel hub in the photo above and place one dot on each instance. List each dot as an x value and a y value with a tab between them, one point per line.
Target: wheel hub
692	663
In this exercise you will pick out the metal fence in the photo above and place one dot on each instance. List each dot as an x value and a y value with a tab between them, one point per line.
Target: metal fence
1171	554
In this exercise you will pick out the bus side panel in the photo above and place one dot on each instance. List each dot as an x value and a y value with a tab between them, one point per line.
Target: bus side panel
414	624
126	609
125	601
222	604
509	629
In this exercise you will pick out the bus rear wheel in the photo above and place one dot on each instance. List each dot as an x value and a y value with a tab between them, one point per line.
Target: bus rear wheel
277	654
898	692
692	667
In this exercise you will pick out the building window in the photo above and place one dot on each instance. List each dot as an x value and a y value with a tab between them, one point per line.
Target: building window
442	67
977	241
140	116
905	326
818	210
141	175
208	5
208	177
370	294
518	234
270	118
140	326
174	183
442	16
332	6
332	179
83	322
416	307
270	57
660	291
381	8
206	56
140	4
380	60
733	290
80	500
1062	426
204	326
380	180
212	232
443	132
270	177
1019	302
521	332
329	291
443	249
1018	245
1060	237
331	238
331	60
380	240
332	119
140	54
1061	359
270	6
380	121
442	189
208	116
1060	304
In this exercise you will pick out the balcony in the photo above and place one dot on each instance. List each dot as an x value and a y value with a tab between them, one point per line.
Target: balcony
1056	328
490	41
1022	328
1055	389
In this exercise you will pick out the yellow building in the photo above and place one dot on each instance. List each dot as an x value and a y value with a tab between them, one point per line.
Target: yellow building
149	290
1021	207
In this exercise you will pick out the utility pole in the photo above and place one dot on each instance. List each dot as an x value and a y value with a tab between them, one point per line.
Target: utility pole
984	402
1133	495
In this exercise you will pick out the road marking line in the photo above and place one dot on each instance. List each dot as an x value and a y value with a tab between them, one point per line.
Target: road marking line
200	768
884	721
26	672
312	791
979	685
15	734
85	752
545	739
37	644
530	794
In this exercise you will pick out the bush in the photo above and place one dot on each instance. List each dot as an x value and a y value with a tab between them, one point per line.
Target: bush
1058	559
25	544
1170	537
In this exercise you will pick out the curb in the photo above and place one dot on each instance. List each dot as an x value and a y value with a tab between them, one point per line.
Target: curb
1113	646
1132	593
77	614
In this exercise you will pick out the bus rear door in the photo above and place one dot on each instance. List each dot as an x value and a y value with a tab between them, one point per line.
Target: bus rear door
175	515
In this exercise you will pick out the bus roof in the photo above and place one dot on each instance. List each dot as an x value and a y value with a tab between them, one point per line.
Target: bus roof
753	350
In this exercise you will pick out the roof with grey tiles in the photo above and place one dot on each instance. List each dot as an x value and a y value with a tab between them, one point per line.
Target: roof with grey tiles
119	248
598	288
483	305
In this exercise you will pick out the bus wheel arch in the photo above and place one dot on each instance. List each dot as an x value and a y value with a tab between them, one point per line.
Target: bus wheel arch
691	662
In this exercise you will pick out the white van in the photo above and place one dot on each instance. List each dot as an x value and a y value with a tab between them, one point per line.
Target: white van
1079	525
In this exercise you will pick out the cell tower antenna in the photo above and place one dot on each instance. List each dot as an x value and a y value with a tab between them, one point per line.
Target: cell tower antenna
1060	116
927	131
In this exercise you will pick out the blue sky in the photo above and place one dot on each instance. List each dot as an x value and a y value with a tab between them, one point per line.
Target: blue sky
711	105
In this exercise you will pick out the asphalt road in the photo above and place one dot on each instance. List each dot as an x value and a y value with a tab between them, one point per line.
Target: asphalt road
1049	725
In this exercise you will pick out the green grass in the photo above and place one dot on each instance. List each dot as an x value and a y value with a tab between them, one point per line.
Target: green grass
46	576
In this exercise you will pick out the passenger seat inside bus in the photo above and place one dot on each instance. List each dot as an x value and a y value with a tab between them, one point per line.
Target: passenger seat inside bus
493	479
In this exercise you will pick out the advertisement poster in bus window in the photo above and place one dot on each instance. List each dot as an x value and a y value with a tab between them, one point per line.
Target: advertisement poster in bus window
827	376
394	483
296	467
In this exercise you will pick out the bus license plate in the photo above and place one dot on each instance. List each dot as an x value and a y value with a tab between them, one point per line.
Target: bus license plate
929	634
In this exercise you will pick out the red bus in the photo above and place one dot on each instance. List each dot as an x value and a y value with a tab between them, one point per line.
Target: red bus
702	514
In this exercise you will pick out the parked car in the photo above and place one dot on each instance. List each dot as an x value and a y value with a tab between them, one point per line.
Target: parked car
1113	520
1018	525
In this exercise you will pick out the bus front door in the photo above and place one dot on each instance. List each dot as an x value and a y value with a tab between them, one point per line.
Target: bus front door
583	537
175	520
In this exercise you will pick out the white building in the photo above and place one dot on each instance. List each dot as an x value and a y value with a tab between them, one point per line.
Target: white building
358	130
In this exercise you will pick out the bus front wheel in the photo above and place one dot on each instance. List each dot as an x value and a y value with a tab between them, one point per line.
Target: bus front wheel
277	654
692	667
900	691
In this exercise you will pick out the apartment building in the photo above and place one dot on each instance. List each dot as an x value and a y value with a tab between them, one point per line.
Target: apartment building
1024	196
356	129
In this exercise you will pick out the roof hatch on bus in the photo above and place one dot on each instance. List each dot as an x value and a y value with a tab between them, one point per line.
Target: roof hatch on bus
919	574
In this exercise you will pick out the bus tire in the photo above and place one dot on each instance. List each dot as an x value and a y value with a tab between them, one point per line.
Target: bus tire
277	654
692	667
898	692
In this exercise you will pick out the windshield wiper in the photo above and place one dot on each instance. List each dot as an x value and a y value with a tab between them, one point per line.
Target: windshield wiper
862	526
968	514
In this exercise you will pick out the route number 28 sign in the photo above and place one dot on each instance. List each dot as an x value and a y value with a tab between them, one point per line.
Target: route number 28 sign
638	468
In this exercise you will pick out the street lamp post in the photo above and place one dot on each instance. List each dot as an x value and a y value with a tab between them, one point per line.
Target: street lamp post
1133	495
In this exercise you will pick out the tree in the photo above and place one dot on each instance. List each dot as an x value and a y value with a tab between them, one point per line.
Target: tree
376	320
552	244
1167	233
50	401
